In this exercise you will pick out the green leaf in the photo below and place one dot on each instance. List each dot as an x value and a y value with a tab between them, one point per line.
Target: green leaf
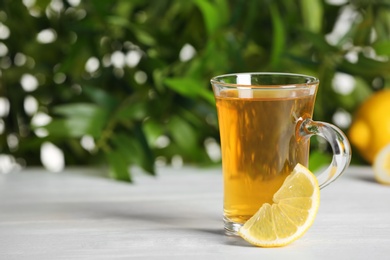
100	97
318	160
72	127
77	110
118	21
183	134
118	167
133	110
79	119
366	67
278	39
382	48
152	129
191	88
135	150
144	37
312	11
362	36
148	157
318	40
42	3
128	147
214	14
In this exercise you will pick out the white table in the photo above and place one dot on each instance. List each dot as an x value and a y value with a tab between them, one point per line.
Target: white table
77	214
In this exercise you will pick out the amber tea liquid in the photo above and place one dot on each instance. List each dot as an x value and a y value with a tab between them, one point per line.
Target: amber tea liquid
259	146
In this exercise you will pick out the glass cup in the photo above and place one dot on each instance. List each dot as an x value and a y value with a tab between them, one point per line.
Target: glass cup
265	123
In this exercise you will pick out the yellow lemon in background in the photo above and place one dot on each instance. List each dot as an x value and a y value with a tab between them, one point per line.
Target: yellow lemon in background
370	130
382	165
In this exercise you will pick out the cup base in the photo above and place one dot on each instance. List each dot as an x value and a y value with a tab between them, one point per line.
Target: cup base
231	228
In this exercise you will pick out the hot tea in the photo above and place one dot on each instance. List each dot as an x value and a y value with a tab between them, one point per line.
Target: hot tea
259	147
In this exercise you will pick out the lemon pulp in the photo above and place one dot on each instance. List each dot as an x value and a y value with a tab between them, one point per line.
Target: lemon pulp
295	206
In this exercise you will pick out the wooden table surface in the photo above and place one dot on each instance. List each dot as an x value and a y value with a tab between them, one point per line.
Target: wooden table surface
78	214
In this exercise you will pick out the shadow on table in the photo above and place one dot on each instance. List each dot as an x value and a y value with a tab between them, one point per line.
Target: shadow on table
236	241
365	175
190	222
370	179
225	239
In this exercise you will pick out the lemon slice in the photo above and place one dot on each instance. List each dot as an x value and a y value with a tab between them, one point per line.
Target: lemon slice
382	165
290	216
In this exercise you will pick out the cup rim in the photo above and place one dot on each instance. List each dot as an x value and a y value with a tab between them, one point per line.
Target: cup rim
311	80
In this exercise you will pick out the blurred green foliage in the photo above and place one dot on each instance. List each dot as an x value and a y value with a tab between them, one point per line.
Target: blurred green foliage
133	76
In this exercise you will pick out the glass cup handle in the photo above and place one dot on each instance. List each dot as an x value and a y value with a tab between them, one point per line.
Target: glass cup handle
337	140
